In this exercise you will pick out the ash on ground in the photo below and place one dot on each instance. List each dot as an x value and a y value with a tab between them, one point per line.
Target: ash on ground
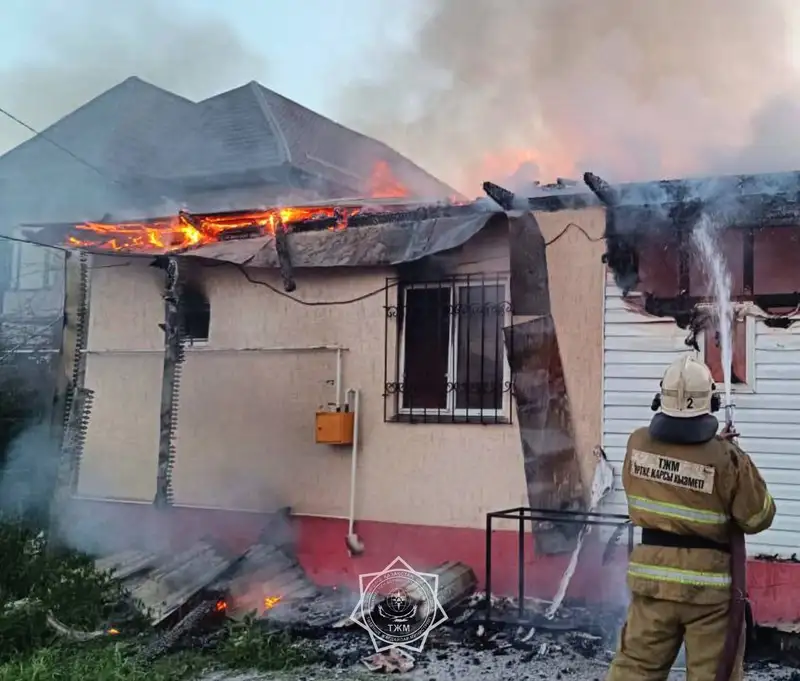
578	646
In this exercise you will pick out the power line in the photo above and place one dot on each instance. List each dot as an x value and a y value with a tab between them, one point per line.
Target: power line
38	133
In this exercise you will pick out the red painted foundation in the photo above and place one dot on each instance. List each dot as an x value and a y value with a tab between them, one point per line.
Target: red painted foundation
774	587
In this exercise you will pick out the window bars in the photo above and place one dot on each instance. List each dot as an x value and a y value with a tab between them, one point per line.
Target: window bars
445	357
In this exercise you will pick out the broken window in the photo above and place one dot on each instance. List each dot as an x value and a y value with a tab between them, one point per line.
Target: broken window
713	353
195	314
450	352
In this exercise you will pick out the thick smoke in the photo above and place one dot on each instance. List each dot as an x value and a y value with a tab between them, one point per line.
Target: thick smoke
631	89
80	52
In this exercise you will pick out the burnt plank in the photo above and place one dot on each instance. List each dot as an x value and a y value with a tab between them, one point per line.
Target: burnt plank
173	583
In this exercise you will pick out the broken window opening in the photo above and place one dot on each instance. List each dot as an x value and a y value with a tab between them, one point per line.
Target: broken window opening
712	351
194	310
450	355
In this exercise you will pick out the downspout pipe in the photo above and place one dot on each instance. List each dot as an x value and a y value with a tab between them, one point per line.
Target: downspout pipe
354	544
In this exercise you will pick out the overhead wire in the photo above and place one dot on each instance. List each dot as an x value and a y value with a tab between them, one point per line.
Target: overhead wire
38	133
388	285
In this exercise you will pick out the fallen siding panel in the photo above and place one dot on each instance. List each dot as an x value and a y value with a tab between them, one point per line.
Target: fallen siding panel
126	564
552	470
264	572
174	582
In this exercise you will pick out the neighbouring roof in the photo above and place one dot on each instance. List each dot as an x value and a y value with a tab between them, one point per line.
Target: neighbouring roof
142	147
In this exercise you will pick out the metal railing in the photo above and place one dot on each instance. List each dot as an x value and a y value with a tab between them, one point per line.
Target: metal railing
532	515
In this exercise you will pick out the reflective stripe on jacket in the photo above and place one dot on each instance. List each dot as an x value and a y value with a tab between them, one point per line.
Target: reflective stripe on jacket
690	490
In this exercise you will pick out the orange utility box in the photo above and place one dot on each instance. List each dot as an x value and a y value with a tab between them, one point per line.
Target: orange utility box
335	427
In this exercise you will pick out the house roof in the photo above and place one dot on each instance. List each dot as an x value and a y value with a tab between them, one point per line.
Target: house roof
386	244
382	238
141	146
712	190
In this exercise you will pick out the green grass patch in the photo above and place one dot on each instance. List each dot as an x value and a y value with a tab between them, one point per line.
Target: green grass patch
33	582
244	648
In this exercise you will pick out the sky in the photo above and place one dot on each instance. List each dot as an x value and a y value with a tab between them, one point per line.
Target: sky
510	91
306	50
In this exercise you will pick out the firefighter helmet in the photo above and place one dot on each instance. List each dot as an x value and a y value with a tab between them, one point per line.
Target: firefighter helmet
687	389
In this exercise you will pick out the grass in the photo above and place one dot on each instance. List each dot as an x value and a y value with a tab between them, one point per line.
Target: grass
245	648
33	582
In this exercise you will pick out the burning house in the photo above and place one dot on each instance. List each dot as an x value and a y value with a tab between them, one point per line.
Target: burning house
392	369
351	361
429	315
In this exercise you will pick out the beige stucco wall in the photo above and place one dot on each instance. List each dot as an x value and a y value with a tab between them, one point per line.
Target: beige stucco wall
245	430
124	368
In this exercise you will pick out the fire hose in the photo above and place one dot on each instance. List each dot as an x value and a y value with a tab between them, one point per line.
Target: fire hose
737	616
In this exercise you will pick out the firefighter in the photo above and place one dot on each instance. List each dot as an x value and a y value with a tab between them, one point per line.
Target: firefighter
685	486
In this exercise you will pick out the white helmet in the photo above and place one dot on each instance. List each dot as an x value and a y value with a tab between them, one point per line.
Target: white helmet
687	389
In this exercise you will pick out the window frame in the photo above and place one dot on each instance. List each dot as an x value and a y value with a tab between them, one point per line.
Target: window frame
749	386
187	339
497	415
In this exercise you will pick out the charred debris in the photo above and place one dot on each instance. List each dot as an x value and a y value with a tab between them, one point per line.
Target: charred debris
669	211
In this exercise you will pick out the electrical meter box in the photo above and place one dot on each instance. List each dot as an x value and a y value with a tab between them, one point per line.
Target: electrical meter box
334	427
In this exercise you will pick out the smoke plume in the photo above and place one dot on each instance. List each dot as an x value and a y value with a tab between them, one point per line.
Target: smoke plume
631	89
93	45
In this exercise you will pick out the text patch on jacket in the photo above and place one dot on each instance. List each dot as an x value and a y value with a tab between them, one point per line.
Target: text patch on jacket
675	472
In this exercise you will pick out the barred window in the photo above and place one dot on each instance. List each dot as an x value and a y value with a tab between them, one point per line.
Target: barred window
450	359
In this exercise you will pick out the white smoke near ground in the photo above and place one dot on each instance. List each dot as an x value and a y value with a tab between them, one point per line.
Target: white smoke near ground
76	53
91	46
26	477
631	90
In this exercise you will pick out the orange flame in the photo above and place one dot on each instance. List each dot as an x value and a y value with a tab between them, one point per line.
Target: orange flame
271	601
221	606
112	632
384	185
185	231
523	166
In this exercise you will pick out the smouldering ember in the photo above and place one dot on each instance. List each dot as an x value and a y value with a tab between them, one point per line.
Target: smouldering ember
271	601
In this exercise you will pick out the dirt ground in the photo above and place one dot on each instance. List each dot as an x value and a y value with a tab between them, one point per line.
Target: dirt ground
551	658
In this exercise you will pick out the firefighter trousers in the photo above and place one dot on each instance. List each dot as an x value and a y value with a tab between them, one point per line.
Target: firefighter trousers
652	635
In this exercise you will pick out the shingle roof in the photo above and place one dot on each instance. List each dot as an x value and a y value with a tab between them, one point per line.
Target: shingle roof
144	139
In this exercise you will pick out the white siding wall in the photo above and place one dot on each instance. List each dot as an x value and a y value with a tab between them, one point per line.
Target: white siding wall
638	349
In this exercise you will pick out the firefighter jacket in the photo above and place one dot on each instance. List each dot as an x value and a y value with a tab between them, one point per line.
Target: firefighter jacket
697	489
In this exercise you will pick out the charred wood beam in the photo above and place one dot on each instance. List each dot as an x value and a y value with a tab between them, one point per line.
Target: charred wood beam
166	642
366	219
601	189
681	306
620	255
501	196
170	384
284	258
684	279
748	264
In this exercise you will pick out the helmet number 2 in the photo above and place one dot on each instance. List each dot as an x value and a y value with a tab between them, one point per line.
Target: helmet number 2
689	402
